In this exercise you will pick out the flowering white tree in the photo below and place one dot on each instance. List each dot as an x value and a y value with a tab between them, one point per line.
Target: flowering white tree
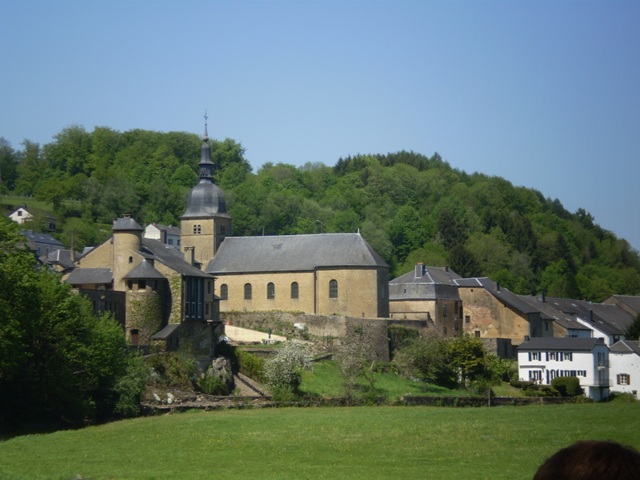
283	371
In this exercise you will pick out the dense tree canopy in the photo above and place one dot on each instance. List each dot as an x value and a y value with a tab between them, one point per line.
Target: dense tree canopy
408	206
58	362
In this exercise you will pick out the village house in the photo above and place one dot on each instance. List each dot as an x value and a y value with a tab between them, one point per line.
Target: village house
628	303
624	372
564	324
492	311
429	294
165	234
542	359
21	215
605	321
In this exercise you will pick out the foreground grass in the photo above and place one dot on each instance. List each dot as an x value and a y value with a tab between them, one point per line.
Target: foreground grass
321	443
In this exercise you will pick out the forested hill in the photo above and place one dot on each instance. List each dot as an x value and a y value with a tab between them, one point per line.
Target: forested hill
409	207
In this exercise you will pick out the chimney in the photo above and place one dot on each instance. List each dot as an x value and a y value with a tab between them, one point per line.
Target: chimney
189	255
419	270
498	286
542	297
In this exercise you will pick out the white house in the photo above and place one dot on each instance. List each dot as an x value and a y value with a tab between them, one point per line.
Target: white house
541	359
21	215
166	234
624	373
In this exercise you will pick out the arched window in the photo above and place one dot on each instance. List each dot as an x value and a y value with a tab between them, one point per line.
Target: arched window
247	291
294	290
224	292
271	291
333	289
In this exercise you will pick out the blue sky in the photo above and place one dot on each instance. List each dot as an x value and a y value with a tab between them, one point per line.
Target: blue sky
545	94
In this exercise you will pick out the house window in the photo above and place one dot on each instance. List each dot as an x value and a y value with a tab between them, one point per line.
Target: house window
444	311
624	379
247	291
601	359
294	290
135	337
271	291
209	286
477	333
130	284
534	356
142	284
224	292
467	319
333	289
535	375
130	259
197	229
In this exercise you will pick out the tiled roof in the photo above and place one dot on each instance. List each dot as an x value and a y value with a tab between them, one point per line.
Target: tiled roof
287	253
609	319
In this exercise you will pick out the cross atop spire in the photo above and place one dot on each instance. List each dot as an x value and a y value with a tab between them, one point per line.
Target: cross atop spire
206	134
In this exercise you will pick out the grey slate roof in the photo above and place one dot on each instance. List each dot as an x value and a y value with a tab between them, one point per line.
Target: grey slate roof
566	343
628	302
167	331
430	283
37	239
126	224
507	297
610	319
626	346
61	257
549	311
144	270
205	200
170	257
288	253
92	276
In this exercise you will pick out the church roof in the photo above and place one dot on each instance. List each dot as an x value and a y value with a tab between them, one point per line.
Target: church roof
205	200
288	253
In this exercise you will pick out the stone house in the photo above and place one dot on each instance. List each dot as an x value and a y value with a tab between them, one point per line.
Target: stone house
429	294
149	286
491	311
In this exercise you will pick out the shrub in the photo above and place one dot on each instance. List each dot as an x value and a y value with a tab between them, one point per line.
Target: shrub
173	369
283	370
250	365
131	386
567	386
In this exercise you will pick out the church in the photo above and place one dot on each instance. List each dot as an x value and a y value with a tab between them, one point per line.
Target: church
173	298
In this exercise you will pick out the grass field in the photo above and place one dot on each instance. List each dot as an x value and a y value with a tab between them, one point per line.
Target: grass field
321	443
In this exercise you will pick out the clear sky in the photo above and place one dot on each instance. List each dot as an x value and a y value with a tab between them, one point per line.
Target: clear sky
543	93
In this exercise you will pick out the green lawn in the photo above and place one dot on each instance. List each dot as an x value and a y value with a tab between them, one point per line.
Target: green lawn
325	380
321	443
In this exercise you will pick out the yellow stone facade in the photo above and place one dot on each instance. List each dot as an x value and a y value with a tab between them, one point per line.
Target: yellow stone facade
356	292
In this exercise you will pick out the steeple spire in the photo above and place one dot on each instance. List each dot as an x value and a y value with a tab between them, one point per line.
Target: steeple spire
206	165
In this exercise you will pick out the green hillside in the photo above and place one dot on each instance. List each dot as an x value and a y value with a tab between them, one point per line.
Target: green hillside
408	206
